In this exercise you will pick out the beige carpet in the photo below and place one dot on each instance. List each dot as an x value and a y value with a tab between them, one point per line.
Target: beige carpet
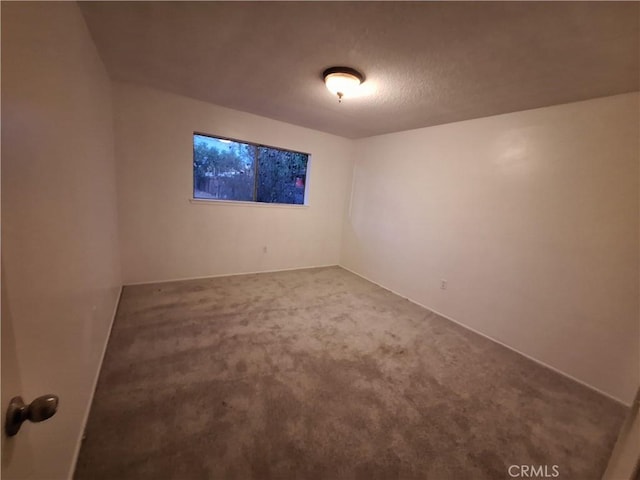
319	374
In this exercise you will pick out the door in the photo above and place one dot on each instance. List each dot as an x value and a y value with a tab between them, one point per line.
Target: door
60	254
17	458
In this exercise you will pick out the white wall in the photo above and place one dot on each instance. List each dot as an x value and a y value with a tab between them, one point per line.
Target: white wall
164	236
532	217
60	263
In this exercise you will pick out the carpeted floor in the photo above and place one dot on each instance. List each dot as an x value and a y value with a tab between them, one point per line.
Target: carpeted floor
319	374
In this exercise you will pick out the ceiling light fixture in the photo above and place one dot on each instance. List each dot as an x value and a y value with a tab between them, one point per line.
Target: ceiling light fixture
342	81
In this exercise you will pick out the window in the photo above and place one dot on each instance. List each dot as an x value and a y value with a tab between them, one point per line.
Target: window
229	170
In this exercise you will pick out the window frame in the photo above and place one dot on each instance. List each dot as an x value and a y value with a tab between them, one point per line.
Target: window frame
217	201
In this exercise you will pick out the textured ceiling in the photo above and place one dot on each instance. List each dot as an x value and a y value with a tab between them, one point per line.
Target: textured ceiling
426	63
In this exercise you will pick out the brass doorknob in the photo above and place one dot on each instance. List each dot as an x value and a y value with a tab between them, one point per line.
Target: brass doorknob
40	409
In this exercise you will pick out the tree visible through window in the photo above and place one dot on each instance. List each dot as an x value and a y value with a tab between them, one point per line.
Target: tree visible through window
229	170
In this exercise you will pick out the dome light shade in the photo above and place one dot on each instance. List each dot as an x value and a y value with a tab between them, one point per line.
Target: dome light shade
342	81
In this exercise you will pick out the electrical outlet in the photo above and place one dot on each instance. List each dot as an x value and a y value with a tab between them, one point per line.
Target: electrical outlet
443	284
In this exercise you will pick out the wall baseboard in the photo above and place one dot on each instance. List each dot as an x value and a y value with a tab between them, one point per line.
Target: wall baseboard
95	385
533	359
231	274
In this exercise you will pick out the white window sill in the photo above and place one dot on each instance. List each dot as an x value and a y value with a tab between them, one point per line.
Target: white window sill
202	201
